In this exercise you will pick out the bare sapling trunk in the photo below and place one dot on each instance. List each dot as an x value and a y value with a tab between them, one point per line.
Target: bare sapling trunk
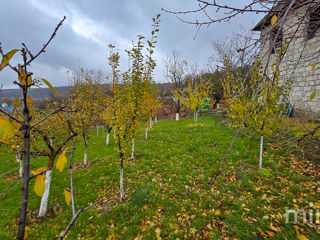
150	122
18	159
45	197
98	131
85	152
26	168
146	132
156	119
132	149
261	152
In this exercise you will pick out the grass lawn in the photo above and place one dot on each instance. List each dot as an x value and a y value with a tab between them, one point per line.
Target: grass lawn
243	203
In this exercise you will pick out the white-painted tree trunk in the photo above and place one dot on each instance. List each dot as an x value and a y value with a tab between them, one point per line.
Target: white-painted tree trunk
218	105
121	182
146	132
196	118
85	156
20	164
177	116
107	139
261	151
150	122
156	119
45	196
132	149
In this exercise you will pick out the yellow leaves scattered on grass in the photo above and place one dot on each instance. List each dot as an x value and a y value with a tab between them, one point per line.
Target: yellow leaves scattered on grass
39	185
67	195
62	161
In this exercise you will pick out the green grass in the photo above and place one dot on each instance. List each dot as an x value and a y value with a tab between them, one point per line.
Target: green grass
243	203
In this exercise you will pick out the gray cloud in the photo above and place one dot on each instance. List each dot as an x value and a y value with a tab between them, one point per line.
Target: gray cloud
92	25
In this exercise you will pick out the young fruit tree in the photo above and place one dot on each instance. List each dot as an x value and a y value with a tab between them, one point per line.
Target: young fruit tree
25	82
55	136
84	104
195	97
151	106
265	111
128	89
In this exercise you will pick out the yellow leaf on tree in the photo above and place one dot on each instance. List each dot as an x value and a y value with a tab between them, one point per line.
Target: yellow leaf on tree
6	58
6	129
13	147
39	170
50	86
314	65
23	76
29	100
39	185
312	95
62	160
274	19
67	195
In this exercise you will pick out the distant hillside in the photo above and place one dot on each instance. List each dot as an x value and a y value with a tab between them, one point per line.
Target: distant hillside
38	94
35	93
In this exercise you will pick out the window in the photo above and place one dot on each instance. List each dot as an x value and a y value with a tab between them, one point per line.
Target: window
314	22
279	39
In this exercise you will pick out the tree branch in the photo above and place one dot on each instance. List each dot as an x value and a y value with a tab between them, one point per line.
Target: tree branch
44	118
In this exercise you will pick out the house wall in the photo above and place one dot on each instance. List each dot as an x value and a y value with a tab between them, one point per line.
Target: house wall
296	67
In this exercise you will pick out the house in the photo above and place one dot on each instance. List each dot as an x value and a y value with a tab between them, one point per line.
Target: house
300	66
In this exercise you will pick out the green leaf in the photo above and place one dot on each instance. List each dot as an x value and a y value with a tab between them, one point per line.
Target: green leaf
50	86
312	95
6	58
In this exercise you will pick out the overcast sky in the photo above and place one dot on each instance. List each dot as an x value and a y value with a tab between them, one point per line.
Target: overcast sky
93	24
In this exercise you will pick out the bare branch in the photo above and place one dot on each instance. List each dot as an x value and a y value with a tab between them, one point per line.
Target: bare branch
42	50
44	118
11	116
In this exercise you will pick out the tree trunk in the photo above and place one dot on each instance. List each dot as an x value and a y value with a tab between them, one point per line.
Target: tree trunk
97	131
196	118
132	149
107	139
85	157
18	156
146	133
121	179
26	170
150	122
177	116
156	119
45	196
261	151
